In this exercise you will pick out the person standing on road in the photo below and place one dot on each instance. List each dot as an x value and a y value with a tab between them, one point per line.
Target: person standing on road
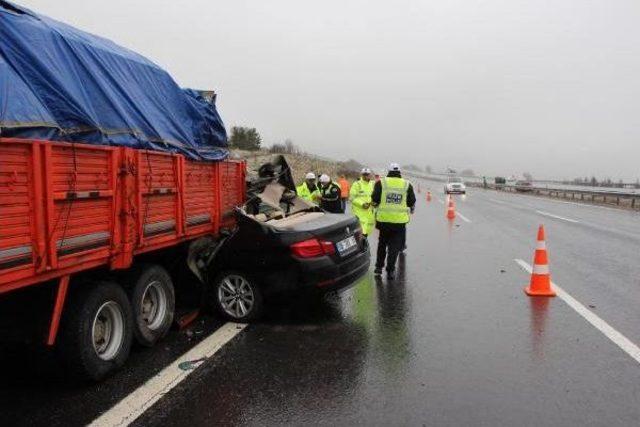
360	197
344	191
330	195
394	200
308	189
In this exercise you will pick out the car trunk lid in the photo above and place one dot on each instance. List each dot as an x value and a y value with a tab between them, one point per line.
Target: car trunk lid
340	229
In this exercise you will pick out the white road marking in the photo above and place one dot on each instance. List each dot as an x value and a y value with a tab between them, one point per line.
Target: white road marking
586	204
501	202
607	330
557	217
131	407
601	227
464	218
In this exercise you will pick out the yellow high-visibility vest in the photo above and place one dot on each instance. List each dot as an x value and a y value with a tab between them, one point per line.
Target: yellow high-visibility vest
303	192
360	194
393	201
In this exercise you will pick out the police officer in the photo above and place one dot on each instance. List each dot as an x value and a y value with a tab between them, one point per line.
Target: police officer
360	197
308	189
330	195
394	200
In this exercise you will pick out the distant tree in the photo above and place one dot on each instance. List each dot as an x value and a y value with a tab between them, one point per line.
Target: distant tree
638	183
412	167
287	147
427	169
290	147
351	169
467	172
278	149
593	181
351	166
527	176
245	138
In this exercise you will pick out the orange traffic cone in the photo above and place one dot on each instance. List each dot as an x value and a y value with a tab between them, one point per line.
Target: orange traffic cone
540	285
451	210
428	196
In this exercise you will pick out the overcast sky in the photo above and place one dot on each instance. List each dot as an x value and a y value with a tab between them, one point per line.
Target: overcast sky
551	87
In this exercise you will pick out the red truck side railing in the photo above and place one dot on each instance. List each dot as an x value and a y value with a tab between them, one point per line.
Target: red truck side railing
66	208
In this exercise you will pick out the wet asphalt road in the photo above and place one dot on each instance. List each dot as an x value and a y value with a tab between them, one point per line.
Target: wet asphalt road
452	341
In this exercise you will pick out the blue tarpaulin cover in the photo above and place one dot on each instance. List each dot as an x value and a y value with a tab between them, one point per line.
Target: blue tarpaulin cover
59	83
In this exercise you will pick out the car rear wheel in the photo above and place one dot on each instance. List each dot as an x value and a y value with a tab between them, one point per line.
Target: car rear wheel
237	297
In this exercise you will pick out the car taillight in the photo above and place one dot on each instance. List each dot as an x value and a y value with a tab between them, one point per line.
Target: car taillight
312	248
328	248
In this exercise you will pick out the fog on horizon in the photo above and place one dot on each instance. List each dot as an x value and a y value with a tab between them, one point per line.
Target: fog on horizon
498	86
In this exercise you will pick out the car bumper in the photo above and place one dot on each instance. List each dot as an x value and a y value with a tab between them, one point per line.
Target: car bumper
322	274
456	190
346	277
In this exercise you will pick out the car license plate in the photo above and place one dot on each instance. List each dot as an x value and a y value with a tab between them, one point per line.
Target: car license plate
346	245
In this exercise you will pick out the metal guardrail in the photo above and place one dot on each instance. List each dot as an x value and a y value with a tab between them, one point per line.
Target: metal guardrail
597	196
551	185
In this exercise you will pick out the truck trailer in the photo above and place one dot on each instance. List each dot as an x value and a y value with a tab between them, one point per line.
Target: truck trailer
110	174
76	213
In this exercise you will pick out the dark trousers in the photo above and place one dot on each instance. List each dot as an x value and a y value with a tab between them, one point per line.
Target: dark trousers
333	206
390	243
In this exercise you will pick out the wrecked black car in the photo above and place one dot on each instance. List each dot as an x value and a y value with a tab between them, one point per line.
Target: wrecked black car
283	244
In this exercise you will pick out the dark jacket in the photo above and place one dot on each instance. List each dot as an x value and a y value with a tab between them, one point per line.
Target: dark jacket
330	198
375	198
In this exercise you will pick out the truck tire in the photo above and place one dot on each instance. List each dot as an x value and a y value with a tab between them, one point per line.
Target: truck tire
237	297
153	303
96	333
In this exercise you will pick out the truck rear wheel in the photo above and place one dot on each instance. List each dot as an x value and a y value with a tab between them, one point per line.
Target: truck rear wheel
96	332
153	301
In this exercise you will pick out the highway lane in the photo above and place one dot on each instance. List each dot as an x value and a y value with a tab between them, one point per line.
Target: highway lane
610	219
595	256
453	341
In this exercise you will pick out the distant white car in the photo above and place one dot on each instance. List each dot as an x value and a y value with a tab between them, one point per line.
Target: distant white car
524	186
455	185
